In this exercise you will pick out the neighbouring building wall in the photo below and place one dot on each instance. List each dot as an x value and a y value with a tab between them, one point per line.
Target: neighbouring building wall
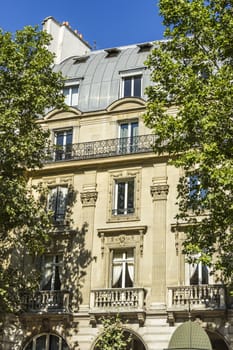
66	42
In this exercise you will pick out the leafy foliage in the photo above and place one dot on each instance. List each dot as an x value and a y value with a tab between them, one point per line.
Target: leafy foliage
28	86
113	336
190	111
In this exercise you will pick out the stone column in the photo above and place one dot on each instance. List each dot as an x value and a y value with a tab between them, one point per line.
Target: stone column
88	199
159	192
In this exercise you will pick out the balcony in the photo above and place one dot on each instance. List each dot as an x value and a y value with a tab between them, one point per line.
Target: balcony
102	149
129	301
196	297
46	301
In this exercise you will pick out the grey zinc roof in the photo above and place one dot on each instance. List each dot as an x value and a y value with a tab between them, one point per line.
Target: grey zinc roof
99	76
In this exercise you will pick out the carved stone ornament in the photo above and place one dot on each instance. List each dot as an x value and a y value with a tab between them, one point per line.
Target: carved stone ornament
122	237
159	192
88	199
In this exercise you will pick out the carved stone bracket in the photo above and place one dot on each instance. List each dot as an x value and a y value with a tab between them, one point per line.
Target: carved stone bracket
141	318
159	192
170	318
88	199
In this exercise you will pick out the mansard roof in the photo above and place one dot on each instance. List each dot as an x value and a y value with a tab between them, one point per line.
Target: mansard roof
99	74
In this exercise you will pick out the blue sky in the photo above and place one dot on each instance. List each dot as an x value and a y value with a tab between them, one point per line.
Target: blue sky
103	23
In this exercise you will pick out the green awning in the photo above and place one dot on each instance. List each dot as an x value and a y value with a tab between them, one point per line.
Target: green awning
190	335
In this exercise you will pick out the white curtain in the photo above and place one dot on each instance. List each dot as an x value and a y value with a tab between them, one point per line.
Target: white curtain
131	272
117	269
47	272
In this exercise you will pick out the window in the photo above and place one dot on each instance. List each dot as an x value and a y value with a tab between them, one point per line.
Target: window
63	142
71	95
128	133
199	274
51	272
195	188
197	193
132	86
112	52
123	197
122	268
47	342
57	203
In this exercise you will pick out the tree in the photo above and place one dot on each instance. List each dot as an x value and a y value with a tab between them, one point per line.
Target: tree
28	86
113	336
192	73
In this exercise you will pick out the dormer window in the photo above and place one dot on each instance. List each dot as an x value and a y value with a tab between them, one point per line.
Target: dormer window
81	59
144	47
113	52
131	82
132	86
71	95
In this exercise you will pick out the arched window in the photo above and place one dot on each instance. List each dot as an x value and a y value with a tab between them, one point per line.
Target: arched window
134	344
47	342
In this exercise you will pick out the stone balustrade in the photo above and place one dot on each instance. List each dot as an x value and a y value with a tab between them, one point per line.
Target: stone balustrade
121	299
46	301
196	297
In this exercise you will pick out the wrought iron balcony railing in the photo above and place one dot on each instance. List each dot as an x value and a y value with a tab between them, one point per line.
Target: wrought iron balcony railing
117	299
197	297
102	149
46	301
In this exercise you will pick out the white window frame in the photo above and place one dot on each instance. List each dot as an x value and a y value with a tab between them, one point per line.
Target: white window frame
63	151
131	74
122	175
129	129
57	189
115	196
132	78
71	99
127	144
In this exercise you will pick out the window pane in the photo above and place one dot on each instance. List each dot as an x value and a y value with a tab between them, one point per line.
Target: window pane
130	197
127	86
63	139
123	268
137	86
134	129
129	276
200	274
64	345
61	203
52	200
69	135
29	347
121	198
60	138
57	202
74	96
41	343
53	343
124	130
51	273
66	93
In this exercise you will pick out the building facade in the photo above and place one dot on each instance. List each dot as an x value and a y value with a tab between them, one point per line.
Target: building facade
115	249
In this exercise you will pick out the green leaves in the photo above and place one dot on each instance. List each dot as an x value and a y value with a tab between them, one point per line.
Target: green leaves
192	73
28	86
113	335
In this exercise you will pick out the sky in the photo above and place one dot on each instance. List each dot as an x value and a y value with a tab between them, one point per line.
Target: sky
103	23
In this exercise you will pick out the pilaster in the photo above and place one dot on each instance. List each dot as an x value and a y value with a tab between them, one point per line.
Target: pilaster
159	191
